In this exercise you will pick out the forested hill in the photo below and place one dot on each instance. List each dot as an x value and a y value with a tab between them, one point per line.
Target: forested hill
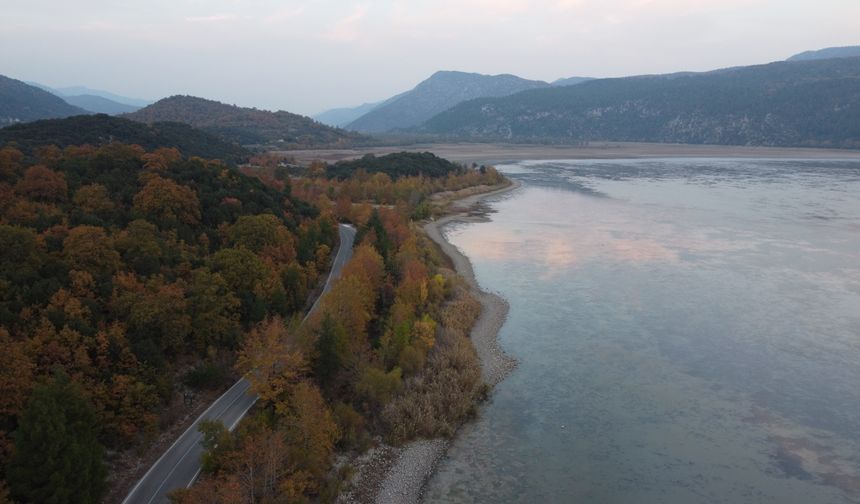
129	277
102	129
396	166
246	126
21	102
440	92
804	103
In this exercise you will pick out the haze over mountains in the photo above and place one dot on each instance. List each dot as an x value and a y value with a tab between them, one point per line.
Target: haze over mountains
811	99
95	100
20	102
340	117
828	53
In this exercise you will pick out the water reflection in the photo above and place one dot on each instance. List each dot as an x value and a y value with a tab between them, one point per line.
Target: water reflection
687	331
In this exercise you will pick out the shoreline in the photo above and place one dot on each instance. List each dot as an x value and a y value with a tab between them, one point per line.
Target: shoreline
497	153
407	470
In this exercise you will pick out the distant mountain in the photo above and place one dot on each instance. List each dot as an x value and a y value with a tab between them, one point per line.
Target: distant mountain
101	129
571	81
69	91
21	102
246	125
807	103
340	117
440	92
99	105
828	53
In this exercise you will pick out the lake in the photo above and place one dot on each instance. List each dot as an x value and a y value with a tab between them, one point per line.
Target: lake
687	331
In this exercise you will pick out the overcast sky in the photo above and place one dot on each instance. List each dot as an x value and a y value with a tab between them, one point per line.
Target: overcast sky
307	56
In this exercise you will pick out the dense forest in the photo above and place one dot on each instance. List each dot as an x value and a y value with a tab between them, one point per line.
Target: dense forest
246	126
101	129
802	103
396	165
127	278
133	278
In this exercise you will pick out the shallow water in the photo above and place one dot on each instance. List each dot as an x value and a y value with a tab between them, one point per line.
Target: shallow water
687	331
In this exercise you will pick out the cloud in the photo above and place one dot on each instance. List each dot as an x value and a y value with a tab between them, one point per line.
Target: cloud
284	14
215	18
346	29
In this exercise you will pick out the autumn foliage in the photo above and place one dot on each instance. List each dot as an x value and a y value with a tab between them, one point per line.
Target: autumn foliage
128	270
142	278
387	354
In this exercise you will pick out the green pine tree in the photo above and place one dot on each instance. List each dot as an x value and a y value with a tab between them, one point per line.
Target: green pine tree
57	457
330	348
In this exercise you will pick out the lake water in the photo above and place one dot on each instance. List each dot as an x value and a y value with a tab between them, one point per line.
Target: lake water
687	331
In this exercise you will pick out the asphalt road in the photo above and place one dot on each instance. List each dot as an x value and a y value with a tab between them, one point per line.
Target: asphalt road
179	466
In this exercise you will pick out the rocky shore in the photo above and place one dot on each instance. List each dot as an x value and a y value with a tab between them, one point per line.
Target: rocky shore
389	475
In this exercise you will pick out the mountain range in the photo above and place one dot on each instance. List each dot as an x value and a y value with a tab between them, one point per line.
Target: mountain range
813	103
246	126
95	100
440	92
811	99
21	102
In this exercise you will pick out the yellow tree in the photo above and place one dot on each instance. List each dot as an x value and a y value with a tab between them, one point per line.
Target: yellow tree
164	201
271	362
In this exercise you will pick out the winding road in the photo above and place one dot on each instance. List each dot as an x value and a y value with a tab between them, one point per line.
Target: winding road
179	466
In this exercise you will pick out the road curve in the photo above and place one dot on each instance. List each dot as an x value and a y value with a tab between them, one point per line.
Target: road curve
179	466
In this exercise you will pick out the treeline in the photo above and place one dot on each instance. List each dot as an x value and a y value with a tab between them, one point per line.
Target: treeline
128	278
396	180
396	165
386	354
101	129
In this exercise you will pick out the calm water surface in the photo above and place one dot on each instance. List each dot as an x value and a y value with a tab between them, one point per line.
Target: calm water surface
687	331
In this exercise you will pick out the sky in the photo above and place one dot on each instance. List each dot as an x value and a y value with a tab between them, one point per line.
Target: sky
306	56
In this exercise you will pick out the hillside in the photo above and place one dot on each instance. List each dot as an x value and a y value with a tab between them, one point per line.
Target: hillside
828	53
21	102
99	105
440	92
246	125
812	103
102	129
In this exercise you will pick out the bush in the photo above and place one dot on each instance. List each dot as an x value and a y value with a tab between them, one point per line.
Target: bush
435	402
377	386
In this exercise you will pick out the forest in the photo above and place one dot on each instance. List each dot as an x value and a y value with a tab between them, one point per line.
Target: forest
101	129
131	278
